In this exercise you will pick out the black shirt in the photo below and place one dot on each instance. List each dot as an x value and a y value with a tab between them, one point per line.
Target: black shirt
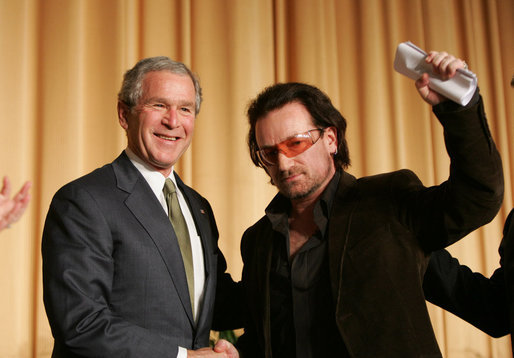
302	308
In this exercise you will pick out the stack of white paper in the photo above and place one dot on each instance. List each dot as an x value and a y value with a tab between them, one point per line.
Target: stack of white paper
410	61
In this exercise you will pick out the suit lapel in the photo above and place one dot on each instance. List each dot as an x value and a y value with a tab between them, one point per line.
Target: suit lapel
143	204
340	222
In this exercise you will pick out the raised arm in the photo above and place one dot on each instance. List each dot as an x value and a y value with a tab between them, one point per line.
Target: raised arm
473	192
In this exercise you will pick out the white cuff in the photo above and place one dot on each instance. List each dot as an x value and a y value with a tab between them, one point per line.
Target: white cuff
182	352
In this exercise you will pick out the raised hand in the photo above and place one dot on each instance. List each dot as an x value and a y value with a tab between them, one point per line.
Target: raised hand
446	66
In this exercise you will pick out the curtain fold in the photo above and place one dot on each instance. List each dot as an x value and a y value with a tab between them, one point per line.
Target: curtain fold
61	68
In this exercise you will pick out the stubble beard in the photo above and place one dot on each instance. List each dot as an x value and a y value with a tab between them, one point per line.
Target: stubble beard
298	189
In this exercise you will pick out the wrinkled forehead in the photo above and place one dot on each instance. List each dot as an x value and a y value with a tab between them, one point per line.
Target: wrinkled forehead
166	82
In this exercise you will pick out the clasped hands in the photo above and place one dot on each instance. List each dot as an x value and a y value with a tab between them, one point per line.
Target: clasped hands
222	349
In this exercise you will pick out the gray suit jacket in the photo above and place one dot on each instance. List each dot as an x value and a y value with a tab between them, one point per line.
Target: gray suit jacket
114	284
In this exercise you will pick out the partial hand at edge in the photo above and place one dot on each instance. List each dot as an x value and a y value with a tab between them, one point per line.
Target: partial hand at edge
222	349
11	210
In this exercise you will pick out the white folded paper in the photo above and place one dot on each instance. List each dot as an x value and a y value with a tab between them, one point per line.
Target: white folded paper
410	61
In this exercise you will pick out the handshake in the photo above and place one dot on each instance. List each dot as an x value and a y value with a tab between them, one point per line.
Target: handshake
222	348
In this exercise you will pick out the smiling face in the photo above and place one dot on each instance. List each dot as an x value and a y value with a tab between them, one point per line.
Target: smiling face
160	127
306	175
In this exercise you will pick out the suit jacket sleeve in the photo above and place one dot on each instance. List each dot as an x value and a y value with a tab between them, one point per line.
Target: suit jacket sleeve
507	263
469	295
483	302
473	193
229	304
78	271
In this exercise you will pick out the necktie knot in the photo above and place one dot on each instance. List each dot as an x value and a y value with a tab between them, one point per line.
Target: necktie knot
169	187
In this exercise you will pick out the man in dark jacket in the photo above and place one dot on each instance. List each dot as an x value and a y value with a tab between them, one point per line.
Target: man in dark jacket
335	267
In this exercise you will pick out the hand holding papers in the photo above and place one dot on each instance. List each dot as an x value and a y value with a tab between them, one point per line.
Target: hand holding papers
410	61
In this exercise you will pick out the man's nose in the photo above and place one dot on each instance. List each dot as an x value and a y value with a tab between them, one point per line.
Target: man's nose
170	118
283	162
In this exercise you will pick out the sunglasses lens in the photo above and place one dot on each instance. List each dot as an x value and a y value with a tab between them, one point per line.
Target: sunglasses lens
290	148
296	146
269	156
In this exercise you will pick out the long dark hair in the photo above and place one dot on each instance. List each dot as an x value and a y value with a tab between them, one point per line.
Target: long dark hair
319	105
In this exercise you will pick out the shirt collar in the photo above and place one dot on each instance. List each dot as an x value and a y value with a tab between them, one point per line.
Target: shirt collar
323	208
152	176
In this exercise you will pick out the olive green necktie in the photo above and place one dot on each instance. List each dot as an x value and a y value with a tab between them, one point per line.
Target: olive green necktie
182	233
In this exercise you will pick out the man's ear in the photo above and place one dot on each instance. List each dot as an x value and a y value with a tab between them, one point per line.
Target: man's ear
331	136
123	114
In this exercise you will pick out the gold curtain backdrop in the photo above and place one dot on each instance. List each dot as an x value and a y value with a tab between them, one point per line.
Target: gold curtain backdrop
62	63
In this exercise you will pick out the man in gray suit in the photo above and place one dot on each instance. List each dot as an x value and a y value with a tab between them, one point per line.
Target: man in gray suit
121	278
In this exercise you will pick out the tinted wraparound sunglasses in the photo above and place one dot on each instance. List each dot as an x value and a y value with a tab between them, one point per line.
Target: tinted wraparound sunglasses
291	147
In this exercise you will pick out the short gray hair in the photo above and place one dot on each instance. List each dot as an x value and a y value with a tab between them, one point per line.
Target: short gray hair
131	88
